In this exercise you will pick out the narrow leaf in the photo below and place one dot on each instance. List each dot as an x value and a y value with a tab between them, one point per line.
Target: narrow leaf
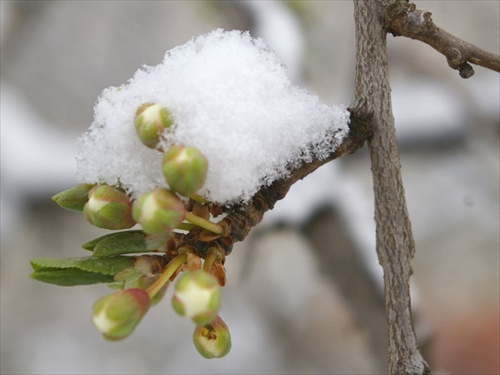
129	242
92	244
105	266
73	199
70	277
122	243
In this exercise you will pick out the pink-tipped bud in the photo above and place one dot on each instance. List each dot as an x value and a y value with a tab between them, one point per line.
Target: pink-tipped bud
116	315
151	120
109	208
212	340
158	211
197	296
185	169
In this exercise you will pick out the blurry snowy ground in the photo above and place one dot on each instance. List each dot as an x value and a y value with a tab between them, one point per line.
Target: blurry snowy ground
284	316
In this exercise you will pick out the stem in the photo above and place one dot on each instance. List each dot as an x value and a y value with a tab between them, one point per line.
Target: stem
169	270
209	261
204	223
198	198
185	226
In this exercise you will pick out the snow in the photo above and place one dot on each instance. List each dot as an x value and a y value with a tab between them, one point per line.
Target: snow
230	97
276	23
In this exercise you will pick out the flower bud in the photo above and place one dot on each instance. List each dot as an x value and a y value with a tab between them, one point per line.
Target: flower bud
197	296
109	208
73	199
212	340
151	120
158	211
116	315
185	169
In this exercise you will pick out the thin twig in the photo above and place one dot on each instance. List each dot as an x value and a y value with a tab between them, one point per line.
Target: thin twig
404	19
241	219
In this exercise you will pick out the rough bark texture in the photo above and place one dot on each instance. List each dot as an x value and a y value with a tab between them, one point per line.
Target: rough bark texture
395	245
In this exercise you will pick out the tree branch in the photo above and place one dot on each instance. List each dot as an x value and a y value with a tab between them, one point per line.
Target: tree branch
241	219
394	243
403	19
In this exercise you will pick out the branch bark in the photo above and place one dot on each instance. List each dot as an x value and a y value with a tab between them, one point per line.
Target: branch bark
403	19
241	219
395	244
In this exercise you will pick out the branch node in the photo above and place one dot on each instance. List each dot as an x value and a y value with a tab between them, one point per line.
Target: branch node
466	70
428	19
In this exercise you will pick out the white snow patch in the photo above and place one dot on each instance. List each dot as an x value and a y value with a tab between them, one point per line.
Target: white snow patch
230	97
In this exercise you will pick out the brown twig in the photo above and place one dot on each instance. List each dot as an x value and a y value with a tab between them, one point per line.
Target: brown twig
403	19
241	219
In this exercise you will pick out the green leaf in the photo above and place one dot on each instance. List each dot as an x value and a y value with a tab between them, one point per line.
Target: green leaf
122	243
105	266
74	199
126	242
70	277
92	244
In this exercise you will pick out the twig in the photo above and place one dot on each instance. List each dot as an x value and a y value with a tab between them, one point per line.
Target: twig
403	19
241	219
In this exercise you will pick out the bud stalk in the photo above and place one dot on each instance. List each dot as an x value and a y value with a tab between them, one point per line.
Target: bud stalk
167	273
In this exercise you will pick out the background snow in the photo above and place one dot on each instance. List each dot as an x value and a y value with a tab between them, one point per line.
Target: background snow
230	97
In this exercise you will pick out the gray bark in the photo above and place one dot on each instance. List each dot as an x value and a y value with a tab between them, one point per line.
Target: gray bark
395	244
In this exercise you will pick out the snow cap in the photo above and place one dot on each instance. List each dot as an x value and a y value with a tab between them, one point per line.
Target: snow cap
229	96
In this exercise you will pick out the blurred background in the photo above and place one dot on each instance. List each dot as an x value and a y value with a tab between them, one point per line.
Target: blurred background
304	292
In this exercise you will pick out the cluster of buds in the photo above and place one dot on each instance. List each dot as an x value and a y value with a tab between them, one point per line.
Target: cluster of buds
185	171
184	167
197	297
160	210
160	213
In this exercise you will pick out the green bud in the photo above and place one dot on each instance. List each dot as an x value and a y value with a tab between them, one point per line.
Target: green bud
158	211
74	199
109	208
197	296
212	340
116	315
185	169
151	120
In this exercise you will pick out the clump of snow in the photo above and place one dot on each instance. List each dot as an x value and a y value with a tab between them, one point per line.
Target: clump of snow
230	97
